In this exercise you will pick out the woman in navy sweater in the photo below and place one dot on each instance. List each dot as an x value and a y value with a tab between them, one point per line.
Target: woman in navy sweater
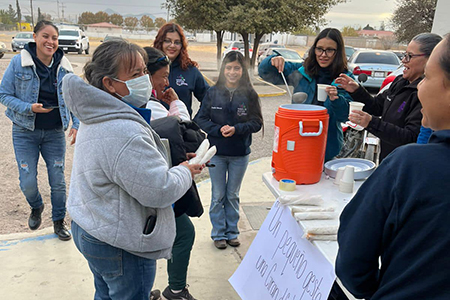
230	113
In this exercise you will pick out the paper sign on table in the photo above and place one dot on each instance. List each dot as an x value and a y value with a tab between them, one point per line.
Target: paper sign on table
281	265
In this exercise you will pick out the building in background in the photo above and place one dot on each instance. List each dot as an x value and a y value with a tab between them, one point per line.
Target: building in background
441	22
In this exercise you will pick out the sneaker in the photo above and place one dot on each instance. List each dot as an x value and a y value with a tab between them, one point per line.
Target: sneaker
61	230
167	294
34	221
234	242
220	244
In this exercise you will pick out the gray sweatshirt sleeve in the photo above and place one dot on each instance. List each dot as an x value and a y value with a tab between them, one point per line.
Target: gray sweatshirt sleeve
143	173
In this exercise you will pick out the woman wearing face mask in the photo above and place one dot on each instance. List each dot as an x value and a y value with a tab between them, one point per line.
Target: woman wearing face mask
398	106
184	78
393	235
326	60
31	91
122	189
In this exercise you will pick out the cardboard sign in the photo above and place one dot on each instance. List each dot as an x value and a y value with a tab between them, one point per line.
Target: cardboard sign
281	265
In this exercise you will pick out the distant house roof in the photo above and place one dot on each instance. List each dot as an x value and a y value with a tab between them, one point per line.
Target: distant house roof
104	25
375	33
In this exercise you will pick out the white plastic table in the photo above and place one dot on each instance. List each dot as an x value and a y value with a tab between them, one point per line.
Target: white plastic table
329	191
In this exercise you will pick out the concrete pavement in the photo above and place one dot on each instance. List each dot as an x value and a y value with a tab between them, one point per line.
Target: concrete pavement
36	265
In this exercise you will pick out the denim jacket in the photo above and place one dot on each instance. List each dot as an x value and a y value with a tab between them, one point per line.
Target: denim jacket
19	89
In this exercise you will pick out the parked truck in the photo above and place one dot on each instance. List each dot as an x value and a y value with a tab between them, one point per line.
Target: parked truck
73	40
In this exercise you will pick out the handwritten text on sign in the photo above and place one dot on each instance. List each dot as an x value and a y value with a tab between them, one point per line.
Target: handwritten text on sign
281	265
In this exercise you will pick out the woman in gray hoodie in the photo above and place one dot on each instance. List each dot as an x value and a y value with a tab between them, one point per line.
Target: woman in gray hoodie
122	189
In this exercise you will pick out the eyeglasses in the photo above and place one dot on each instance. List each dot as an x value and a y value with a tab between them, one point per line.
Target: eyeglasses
328	52
407	56
175	43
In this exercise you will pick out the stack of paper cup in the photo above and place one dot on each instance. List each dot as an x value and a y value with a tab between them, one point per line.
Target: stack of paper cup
339	173
321	93
347	181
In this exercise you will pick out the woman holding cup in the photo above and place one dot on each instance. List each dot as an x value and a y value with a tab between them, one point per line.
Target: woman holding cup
315	77
398	106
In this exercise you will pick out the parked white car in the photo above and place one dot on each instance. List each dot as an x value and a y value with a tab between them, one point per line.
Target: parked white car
236	46
20	40
376	64
288	55
73	40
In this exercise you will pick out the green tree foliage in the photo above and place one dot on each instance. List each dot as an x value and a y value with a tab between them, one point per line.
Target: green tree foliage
146	22
159	22
252	16
116	19
413	17
131	23
4	17
213	17
101	16
349	31
87	18
43	16
202	15
12	14
310	30
368	27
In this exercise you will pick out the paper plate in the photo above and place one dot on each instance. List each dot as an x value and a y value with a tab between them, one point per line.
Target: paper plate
363	167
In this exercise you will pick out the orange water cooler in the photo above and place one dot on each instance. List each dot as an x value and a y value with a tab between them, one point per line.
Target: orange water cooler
300	139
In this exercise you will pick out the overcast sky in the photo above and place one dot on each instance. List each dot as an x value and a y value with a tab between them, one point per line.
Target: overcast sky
353	13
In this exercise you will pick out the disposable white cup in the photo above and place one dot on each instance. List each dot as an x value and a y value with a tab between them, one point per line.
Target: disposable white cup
349	174
356	106
346	187
321	93
339	173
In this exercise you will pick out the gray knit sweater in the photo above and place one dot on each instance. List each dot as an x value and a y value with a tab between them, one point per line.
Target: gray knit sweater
120	174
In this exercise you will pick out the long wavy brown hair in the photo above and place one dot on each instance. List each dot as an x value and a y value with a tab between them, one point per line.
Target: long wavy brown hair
183	57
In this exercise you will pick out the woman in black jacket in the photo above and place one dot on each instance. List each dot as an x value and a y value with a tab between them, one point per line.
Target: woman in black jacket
398	106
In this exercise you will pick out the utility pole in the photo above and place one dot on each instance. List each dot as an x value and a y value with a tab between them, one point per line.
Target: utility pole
57	7
62	8
32	19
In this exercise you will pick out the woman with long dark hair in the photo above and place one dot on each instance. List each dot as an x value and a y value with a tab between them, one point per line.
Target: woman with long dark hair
229	114
326	61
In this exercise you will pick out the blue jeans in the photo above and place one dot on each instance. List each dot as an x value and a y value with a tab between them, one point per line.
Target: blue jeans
226	179
117	273
51	144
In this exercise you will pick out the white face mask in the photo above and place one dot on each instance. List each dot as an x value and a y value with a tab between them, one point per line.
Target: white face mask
140	90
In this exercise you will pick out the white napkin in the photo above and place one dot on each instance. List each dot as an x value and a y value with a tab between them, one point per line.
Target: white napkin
299	216
305	199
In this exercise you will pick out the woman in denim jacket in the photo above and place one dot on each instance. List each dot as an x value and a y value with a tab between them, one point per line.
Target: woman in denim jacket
31	91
